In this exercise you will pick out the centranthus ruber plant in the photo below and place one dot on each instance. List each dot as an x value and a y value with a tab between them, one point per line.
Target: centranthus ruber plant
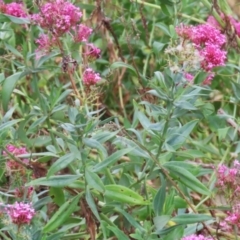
119	120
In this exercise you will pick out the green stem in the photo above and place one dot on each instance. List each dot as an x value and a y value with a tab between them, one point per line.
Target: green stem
148	4
149	44
4	236
109	175
191	18
121	100
54	142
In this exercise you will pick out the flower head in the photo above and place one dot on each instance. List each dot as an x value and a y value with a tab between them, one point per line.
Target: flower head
58	16
90	77
92	52
45	43
212	21
206	34
189	77
213	56
196	237
184	31
209	79
20	213
15	9
11	164
82	33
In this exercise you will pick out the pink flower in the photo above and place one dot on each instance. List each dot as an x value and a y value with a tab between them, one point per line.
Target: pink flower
213	56
204	34
189	77
82	33
23	191
208	79
212	21
90	77
236	164
184	31
233	217
45	43
15	9
196	237
20	213
2	6
58	16
11	164
92	52
235	24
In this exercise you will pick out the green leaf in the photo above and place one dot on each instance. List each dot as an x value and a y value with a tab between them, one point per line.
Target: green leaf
118	233
7	89
62	214
176	233
61	163
200	77
42	202
92	143
37	122
6	125
54	181
45	58
185	105
111	160
163	27
187	178
161	221
191	218
159	200
57	195
13	50
92	204
123	194
17	20
116	65
94	181
236	90
130	219
177	136
222	133
190	153
179	202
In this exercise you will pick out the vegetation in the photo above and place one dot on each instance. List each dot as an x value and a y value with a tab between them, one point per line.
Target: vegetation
119	120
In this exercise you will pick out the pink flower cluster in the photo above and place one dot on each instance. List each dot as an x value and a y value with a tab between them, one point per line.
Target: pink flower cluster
11	164
232	219
20	213
196	237
208	41
13	9
57	16
90	77
92	52
23	192
82	33
61	17
236	25
228	182
227	178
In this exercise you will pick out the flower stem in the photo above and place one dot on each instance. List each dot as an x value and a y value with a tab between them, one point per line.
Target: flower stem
148	4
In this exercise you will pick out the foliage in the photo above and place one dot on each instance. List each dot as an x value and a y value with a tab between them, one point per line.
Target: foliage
137	142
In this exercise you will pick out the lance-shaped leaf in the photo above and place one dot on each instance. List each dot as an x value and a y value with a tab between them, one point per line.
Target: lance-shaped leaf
187	178
62	214
123	194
